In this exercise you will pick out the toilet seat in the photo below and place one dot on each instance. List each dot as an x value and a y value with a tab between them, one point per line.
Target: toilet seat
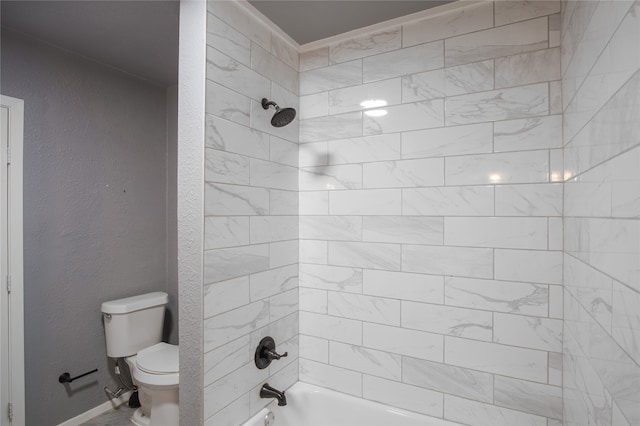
161	358
157	365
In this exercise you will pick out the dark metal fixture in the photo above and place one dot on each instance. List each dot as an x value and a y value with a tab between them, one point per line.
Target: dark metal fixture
66	377
269	392
282	117
266	352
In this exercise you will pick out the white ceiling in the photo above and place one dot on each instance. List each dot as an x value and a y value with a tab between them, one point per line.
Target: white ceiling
140	37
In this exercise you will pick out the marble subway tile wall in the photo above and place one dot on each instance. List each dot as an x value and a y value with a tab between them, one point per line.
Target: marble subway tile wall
251	212
601	101
431	170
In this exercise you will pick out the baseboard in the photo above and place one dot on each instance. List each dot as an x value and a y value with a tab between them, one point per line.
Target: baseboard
96	411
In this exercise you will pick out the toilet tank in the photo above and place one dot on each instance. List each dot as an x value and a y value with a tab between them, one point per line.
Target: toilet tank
133	323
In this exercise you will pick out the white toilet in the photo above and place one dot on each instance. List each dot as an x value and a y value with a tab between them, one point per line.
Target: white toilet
133	329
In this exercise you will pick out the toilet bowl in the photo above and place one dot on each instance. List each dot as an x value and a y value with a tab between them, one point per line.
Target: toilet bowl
155	373
133	331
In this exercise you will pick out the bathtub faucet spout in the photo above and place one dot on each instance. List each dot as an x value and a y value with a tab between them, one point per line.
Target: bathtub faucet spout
269	392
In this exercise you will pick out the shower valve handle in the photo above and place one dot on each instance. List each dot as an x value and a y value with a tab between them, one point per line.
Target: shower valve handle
266	352
273	354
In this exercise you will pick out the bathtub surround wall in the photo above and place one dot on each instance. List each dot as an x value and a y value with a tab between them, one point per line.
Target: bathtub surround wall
431	225
601	97
95	221
250	211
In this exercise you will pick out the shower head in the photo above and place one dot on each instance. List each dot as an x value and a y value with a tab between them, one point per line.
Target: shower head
282	117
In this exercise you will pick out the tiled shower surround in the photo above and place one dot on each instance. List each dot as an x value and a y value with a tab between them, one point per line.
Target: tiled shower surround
403	240
430	227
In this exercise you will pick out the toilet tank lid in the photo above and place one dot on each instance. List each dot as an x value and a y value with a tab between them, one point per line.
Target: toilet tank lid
135	303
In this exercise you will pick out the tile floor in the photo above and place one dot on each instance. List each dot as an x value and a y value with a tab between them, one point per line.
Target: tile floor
120	416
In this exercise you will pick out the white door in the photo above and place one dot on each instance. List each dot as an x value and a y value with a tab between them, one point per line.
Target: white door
11	266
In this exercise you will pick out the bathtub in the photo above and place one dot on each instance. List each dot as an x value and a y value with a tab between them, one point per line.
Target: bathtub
309	405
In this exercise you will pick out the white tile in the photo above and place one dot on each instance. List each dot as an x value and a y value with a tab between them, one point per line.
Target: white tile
529	266
328	327
626	319
461	261
555	233
555	369
334	278
228	136
228	40
274	69
511	361
396	394
401	341
366	45
268	283
317	129
402	229
225	231
226	359
231	325
529	200
365	202
447	320
283	202
402	285
283	151
497	296
225	103
223	264
404	173
469	78
448	379
469	19
345	228
330	177
315	105
331	77
513	11
283	253
555	301
528	133
231	387
232	74
314	349
284	51
365	255
365	360
243	22
505	232
555	97
268	229
496	42
314	203
312	251
331	377
535	398
511	167
312	154
355	98
528	332
273	175
225	295
457	140
283	304
472	412
312	300
528	68
448	201
405	61
501	104
406	117
364	308
364	149
314	59
226	200
423	86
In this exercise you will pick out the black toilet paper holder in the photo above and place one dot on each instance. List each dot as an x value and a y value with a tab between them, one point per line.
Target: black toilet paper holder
66	377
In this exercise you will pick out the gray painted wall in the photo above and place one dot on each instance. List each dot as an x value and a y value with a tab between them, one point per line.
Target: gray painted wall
95	212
